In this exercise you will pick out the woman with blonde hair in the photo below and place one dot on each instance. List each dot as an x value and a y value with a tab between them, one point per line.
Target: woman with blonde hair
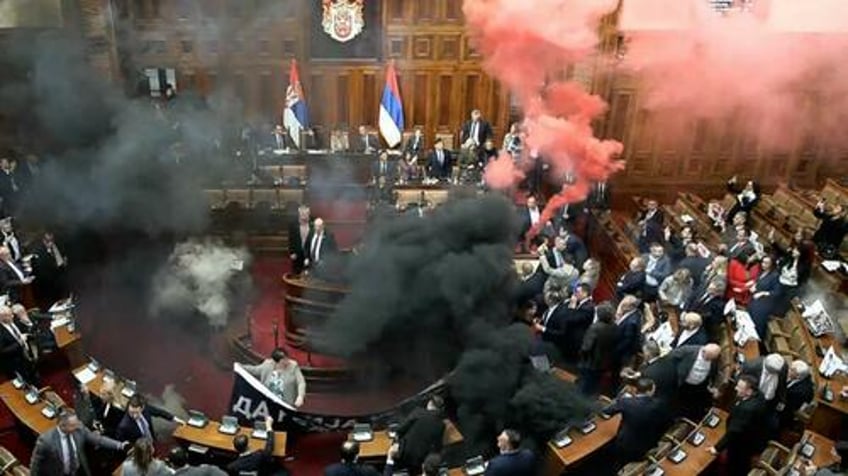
675	289
141	461
591	273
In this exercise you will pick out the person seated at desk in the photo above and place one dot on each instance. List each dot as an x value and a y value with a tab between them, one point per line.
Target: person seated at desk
839	468
383	168
512	460
138	421
142	462
349	465
744	435
282	376
320	242
644	419
260	462
440	164
366	143
178	460
60	451
421	434
280	138
415	145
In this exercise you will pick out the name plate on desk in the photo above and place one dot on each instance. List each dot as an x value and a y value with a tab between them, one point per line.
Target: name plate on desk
712	420
654	471
562	439
31	397
48	411
677	456
588	428
808	450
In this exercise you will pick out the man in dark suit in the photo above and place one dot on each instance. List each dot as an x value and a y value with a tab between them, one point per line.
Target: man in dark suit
528	218
383	168
12	276
512	460
710	306
628	321
440	164
771	373
349	466
280	139
421	434
574	246
694	262
298	232
597	348
49	267
579	313
633	281
14	351
744	435
696	373
553	324
832	229
138	421
11	240
475	132
415	145
178	460
644	419
9	190
742	249
651	225
366	143
61	450
799	391
691	331
657	268
261	462
321	244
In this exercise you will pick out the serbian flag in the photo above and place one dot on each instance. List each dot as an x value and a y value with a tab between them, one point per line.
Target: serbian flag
391	109
295	117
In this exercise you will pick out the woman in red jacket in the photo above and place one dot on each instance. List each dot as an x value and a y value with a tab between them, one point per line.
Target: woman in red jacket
739	274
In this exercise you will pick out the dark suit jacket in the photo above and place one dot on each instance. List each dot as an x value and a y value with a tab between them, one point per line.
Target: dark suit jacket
413	147
652	230
7	190
419	435
9	282
328	246
831	230
629	337
344	469
128	430
11	352
390	173
47	454
745	427
699	338
596	351
525	222
555	324
520	462
711	310
296	245
359	143
754	368
484	131
644	419
260	463
683	358
663	372
440	171
576	248
577	322
631	282
801	392
696	266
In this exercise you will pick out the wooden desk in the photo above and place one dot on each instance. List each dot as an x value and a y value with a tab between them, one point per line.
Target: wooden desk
210	437
29	415
558	460
698	458
379	446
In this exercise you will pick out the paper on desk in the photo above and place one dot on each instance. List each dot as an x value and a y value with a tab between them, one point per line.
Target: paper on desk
686	218
663	336
813	309
56	323
85	375
745	329
60	306
832	363
831	265
730	307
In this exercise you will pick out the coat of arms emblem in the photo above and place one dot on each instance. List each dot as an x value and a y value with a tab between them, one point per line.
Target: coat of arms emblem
343	19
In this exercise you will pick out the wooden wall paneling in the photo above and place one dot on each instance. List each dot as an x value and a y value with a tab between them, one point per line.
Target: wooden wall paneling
449	47
473	93
422	97
343	102
444	99
395	11
371	98
424	11
316	99
451	11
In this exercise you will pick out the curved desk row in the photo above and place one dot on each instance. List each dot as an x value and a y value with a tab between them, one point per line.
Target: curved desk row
206	437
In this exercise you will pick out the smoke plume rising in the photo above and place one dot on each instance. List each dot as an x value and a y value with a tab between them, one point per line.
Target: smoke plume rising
527	46
199	277
434	294
765	74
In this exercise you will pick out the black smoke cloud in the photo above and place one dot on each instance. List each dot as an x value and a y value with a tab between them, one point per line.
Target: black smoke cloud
433	296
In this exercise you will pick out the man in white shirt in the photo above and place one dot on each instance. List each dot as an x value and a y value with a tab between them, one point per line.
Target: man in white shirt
697	370
320	243
13	346
12	276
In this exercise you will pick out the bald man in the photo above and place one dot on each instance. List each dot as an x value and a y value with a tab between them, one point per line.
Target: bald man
696	369
349	465
320	244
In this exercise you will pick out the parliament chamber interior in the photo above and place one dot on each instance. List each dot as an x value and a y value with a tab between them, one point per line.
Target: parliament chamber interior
423	237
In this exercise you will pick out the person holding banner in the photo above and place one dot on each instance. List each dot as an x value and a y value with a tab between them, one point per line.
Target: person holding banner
282	376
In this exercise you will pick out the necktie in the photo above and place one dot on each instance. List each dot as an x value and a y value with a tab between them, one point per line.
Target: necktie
15	333
548	315
382	168
315	247
145	428
441	158
558	258
73	462
367	146
475	129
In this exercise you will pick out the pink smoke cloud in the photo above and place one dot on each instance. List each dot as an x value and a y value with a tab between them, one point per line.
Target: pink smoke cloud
527	45
775	73
502	173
